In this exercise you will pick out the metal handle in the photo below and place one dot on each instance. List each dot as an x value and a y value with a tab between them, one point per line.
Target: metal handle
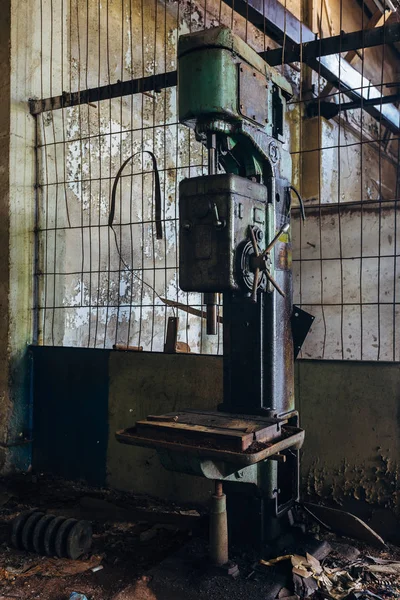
261	266
283	229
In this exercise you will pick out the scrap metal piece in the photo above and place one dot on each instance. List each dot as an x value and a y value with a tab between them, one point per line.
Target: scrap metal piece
51	535
189	309
27	532
79	540
215	430
17	527
62	536
301	325
344	523
172	346
125	348
38	533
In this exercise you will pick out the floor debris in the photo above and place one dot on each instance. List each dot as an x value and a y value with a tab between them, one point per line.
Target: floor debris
51	567
135	540
339	583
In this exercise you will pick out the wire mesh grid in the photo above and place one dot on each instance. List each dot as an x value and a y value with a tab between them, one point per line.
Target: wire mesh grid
97	290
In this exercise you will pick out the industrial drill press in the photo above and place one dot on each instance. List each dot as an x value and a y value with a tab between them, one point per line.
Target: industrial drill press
235	240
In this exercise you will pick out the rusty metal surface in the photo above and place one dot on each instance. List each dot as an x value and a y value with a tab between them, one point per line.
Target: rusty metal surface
253	94
294	437
344	523
211	429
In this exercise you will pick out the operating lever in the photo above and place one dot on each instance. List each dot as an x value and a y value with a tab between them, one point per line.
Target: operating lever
260	265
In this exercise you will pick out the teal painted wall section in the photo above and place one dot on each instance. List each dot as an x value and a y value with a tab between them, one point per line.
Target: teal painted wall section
20	417
151	383
70	412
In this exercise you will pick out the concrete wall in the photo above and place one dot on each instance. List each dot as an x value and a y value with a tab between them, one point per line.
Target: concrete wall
18	81
353	431
351	414
4	225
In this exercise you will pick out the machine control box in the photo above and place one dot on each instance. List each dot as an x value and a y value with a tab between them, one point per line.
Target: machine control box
215	213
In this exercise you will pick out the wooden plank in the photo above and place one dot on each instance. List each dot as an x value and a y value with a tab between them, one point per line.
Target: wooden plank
257	418
168	418
191	427
264	429
219	429
223	421
234	440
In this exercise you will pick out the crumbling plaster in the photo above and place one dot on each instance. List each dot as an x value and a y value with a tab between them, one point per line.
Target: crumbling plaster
354	422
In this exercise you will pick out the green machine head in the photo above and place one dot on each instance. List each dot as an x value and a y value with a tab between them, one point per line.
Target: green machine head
227	89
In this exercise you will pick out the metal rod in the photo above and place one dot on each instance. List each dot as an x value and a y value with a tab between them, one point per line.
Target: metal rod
218	488
283	229
141	85
189	309
276	286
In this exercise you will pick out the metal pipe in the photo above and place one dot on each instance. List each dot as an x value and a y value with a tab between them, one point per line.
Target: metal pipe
211	300
36	246
218	527
219	490
212	153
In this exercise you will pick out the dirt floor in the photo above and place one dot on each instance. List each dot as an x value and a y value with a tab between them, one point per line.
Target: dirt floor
144	550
